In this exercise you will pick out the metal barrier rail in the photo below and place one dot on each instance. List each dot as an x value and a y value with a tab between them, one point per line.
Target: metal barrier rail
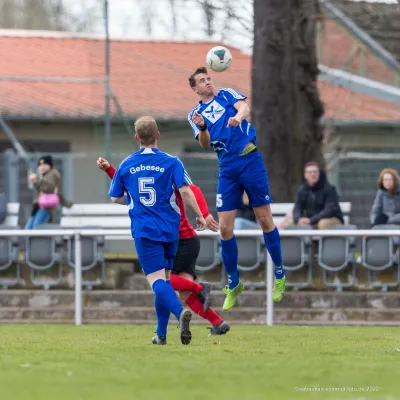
126	234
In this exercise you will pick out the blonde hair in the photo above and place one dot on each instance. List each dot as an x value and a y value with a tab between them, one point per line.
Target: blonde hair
146	129
395	177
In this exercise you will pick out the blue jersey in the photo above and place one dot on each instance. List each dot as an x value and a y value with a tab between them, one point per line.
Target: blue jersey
150	178
228	143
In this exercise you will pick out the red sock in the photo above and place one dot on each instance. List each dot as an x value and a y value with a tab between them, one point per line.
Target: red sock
184	285
195	304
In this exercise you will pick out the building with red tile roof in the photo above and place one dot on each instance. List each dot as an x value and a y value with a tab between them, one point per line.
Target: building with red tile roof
52	95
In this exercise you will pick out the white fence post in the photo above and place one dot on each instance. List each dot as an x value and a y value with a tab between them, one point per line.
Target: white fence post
78	278
269	288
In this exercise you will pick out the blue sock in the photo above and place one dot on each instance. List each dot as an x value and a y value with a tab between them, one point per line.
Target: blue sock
167	297
229	251
273	242
162	316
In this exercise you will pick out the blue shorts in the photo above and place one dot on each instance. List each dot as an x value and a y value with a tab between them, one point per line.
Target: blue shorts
246	173
155	256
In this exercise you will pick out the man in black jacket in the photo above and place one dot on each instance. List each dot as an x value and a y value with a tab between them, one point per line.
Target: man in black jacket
317	201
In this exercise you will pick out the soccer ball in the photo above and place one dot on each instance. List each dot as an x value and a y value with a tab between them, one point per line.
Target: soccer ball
219	59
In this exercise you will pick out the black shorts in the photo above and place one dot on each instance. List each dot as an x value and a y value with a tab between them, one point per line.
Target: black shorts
186	256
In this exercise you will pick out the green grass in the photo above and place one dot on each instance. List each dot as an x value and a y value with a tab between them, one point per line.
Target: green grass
40	362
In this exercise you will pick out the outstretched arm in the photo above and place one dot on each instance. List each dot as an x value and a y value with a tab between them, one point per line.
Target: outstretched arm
190	200
243	112
104	165
203	135
201	201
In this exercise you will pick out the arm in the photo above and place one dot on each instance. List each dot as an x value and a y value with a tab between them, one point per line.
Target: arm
199	128
204	139
203	136
237	100
298	207
330	206
394	219
190	200
117	189
201	201
182	181
119	200
376	207
104	165
110	171
243	110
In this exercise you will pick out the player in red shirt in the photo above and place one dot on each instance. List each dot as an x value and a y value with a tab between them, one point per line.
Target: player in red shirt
183	274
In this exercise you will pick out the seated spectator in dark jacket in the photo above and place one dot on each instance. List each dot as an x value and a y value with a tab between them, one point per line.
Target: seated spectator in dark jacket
317	201
386	207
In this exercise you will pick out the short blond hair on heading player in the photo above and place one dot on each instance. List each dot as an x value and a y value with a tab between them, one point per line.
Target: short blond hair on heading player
146	130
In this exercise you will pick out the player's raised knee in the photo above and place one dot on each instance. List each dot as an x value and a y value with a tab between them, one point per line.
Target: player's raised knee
264	217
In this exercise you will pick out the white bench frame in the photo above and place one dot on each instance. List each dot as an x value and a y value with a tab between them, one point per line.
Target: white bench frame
12	215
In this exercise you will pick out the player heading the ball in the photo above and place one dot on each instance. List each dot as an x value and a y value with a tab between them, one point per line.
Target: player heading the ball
220	120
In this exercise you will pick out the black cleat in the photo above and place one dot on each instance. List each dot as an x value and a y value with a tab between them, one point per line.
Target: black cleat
160	340
220	329
184	322
204	296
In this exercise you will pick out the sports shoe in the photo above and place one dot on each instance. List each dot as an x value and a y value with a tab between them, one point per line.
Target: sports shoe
184	322
279	289
220	329
204	296
232	295
160	340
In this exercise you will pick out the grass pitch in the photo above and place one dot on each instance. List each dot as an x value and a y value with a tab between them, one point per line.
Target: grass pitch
43	362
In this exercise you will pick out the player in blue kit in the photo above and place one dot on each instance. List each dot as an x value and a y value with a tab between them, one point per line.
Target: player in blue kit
150	177
220	120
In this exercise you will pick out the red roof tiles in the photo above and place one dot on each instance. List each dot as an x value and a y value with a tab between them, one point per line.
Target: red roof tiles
147	78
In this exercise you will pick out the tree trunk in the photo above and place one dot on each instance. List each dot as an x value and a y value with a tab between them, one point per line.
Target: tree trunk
285	101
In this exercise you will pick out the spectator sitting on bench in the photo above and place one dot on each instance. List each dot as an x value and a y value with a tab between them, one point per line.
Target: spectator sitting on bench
317	201
386	207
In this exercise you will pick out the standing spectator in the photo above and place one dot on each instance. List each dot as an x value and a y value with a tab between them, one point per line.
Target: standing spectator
386	207
317	201
49	183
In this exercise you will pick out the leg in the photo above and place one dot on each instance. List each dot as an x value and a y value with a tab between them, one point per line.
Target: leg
183	274
229	246
184	270
29	224
170	250
326	223
381	219
229	199
242	223
153	260
41	217
255	182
